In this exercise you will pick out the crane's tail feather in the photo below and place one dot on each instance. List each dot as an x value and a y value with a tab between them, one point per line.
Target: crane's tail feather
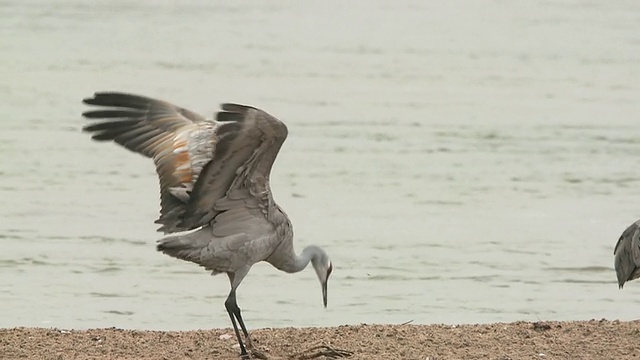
189	248
172	244
185	247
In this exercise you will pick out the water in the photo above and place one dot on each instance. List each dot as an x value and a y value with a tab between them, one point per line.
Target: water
461	162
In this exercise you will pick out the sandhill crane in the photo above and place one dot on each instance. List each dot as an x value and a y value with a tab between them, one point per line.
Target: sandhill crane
214	182
627	254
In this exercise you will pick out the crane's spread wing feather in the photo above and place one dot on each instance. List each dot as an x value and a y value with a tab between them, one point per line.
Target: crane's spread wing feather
208	169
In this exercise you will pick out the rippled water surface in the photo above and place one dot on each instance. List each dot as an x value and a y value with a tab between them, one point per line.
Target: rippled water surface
461	163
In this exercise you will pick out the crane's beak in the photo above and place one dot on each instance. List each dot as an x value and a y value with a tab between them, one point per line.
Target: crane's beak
324	293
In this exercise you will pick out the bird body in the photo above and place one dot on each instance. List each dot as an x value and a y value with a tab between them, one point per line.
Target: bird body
221	249
627	254
214	185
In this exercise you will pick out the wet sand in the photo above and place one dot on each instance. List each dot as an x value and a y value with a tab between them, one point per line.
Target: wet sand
595	339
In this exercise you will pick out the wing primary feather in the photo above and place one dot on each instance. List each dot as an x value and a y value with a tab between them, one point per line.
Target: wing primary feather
225	116
107	135
119	100
236	107
110	125
134	134
110	114
140	140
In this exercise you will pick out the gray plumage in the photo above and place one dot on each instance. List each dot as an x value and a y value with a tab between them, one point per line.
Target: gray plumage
214	182
627	254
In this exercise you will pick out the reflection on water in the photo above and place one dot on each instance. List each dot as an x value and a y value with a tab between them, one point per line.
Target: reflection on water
461	164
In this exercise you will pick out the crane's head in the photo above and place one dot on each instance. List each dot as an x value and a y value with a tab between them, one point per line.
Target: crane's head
323	267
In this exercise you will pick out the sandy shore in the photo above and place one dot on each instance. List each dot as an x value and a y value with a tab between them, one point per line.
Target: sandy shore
595	339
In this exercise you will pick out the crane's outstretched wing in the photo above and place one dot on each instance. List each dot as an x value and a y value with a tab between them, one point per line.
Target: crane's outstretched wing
179	141
627	254
240	167
197	161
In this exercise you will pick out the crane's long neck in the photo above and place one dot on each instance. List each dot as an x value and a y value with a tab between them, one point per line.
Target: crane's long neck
309	253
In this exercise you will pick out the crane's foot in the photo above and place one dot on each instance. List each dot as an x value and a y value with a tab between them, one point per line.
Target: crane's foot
254	354
257	354
322	350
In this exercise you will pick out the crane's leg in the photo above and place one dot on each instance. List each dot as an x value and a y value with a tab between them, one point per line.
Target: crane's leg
241	322
232	309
